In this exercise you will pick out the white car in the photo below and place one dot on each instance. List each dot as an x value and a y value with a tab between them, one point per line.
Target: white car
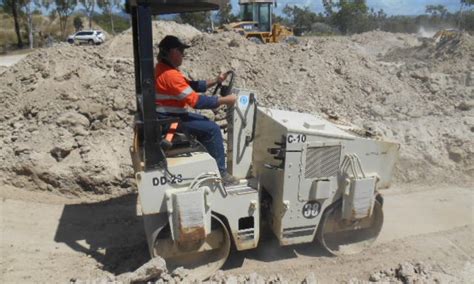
90	37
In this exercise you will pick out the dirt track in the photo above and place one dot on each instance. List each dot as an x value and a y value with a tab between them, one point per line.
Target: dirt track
9	60
48	238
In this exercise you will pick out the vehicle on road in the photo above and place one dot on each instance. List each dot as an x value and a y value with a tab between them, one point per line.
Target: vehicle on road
90	37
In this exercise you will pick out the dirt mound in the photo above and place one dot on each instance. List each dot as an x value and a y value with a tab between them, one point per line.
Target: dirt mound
379	43
457	46
65	120
431	120
122	46
67	111
67	115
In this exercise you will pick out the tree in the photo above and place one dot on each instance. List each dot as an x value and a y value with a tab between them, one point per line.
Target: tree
77	22
19	9
436	10
224	15
282	20
352	15
103	20
199	20
64	9
13	7
108	6
28	7
468	21
301	19
329	6
47	6
89	6
466	3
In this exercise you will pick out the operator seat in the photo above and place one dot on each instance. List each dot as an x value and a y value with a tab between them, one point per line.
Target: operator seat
181	142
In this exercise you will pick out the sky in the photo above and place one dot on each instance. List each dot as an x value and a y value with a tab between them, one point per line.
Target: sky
391	7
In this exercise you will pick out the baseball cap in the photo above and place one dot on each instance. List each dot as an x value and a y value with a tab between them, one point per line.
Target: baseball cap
169	42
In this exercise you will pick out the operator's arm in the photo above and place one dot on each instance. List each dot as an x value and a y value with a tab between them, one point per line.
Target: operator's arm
208	102
179	85
227	100
201	86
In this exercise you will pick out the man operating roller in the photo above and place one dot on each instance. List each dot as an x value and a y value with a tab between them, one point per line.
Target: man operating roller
175	93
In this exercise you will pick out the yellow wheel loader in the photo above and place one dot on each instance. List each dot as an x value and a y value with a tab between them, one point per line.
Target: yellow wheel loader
445	35
306	178
251	31
256	24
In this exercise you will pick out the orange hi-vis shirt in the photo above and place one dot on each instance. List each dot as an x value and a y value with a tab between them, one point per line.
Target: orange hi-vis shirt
172	90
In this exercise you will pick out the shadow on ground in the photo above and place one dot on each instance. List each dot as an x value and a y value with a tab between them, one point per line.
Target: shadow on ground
109	231
269	250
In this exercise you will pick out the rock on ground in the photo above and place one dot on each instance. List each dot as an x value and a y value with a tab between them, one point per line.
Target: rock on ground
153	269
408	273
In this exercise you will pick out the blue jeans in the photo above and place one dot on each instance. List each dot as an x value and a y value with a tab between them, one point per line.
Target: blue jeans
207	132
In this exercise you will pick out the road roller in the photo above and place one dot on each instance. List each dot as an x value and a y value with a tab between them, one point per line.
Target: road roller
304	178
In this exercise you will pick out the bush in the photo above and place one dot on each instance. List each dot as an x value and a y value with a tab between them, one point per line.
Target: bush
323	29
77	22
468	21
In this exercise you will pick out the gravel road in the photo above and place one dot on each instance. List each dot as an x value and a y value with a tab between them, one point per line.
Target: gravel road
50	238
9	60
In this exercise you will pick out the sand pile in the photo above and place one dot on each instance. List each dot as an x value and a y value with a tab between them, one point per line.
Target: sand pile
65	122
67	111
458	47
431	117
122	46
379	43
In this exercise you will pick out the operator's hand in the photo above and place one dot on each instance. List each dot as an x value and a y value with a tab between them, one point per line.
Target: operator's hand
221	78
227	100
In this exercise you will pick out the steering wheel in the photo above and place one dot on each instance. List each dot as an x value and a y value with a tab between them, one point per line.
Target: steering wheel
225	89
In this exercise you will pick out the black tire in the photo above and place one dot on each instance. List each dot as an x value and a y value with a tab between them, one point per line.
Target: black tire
91	42
70	40
291	40
256	40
